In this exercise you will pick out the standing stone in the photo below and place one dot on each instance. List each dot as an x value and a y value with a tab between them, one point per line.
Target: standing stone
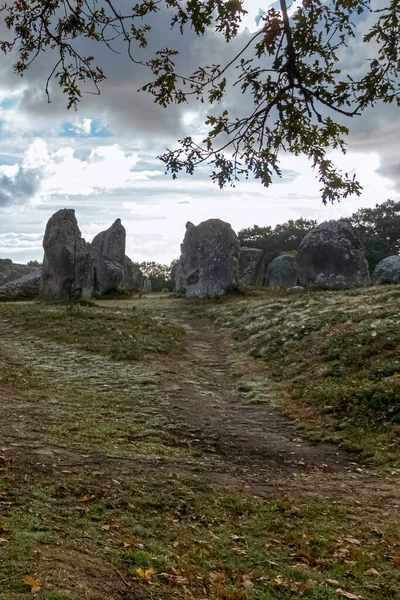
251	267
178	279
108	248
133	276
332	256
387	271
147	286
210	258
281	272
67	265
24	288
10	271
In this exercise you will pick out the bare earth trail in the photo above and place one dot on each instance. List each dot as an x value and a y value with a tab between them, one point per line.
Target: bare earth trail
194	400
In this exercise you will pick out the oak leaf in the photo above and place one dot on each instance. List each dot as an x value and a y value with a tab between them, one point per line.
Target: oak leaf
34	584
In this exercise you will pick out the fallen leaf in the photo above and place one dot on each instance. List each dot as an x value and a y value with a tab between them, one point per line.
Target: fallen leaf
105	527
145	574
332	582
217	577
372	572
34	584
87	497
239	550
3	541
348	595
396	561
352	540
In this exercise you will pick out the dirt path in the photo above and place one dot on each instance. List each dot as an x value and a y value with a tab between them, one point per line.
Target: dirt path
204	396
194	401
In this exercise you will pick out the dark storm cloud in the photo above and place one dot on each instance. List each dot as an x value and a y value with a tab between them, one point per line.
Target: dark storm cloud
20	188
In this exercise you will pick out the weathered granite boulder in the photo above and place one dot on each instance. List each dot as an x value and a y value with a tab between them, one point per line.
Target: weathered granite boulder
108	249
178	279
133	277
210	258
387	271
332	256
10	271
281	272
147	286
251	267
67	266
23	288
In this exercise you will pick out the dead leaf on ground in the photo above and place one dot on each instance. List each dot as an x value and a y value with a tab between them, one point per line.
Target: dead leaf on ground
396	561
372	572
4	541
217	577
145	574
348	595
352	540
34	584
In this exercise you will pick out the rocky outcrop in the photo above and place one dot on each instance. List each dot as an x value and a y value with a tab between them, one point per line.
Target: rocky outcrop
10	271
23	288
210	258
178	279
68	266
147	286
387	271
331	256
133	277
108	248
251	267
281	272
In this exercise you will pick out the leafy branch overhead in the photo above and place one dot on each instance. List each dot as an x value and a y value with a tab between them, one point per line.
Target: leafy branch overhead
290	73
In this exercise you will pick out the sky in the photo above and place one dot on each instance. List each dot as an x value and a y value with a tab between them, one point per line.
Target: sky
101	160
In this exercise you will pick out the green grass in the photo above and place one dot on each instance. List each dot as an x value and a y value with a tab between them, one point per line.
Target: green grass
198	540
118	333
337	354
95	501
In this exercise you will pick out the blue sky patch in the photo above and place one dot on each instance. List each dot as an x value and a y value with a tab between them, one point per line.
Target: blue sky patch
10	102
97	129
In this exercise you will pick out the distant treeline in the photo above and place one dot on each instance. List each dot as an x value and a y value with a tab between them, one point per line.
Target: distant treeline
379	228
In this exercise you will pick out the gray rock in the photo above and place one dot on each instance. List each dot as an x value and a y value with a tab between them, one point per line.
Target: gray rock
67	266
133	277
178	279
147	286
281	272
331	256
10	271
251	267
210	258
23	288
387	271
108	248
84	269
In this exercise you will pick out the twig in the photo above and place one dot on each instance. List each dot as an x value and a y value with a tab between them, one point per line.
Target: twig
124	580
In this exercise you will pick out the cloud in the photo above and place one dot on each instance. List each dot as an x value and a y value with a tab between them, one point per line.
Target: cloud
20	187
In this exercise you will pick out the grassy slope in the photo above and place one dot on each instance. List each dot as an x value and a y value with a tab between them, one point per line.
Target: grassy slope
337	355
87	512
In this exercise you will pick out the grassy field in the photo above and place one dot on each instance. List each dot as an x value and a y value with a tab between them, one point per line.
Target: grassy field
337	355
119	333
99	501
